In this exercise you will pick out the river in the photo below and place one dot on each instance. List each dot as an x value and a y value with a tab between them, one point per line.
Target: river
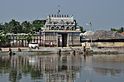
64	68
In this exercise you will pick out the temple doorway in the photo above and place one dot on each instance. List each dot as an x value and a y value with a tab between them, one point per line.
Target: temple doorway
62	40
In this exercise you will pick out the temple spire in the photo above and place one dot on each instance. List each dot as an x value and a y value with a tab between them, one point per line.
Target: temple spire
58	12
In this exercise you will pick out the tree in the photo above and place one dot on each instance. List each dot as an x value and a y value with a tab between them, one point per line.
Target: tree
3	39
81	29
26	27
37	24
1	27
118	30
121	29
113	29
29	38
13	27
6	28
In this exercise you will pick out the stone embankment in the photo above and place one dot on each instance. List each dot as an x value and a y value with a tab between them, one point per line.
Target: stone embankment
43	50
107	51
61	50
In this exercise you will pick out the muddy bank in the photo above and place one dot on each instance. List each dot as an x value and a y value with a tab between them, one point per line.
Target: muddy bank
107	51
109	58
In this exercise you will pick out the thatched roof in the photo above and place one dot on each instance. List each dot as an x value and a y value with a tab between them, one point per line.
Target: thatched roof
102	34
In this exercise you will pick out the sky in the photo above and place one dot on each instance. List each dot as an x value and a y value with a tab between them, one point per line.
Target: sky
103	14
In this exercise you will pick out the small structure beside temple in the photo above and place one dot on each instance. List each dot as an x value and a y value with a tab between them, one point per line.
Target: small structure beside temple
103	39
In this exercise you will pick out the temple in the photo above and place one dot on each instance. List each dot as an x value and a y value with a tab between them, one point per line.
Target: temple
61	31
58	31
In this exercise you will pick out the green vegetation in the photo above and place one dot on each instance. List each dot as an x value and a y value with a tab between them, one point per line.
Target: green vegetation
19	27
25	27
29	38
119	30
82	29
37	24
3	39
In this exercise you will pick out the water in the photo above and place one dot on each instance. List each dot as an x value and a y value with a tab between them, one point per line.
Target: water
52	68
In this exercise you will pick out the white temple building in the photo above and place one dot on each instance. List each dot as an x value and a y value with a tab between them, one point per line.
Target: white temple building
61	31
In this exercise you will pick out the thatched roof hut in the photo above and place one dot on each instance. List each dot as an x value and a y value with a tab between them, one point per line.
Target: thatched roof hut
102	34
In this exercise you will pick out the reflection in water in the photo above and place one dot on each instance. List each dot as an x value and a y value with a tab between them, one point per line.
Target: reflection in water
53	68
46	68
107	71
109	65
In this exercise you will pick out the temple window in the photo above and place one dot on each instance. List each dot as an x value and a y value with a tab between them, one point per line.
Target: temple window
67	28
62	27
73	28
52	28
57	28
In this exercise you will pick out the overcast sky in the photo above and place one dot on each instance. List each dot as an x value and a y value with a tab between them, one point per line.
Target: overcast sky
103	14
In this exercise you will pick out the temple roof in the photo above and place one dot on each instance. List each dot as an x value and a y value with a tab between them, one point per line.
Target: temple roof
60	18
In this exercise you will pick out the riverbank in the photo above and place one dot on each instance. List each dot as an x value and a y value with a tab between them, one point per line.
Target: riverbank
41	50
62	50
107	51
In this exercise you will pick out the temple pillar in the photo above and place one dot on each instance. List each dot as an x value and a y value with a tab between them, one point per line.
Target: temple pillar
68	40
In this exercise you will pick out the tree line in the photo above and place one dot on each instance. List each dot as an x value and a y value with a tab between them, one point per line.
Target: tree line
119	30
25	27
15	26
19	27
